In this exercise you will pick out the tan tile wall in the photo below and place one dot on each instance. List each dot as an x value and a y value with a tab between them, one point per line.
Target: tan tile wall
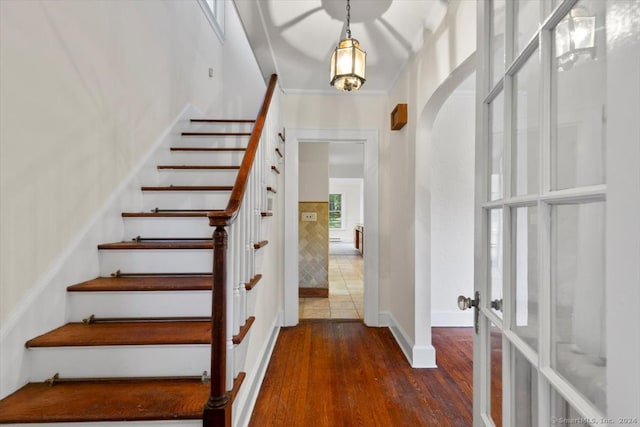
314	246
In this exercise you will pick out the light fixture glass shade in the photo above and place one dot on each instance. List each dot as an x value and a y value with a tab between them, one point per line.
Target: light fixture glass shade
348	64
584	32
574	37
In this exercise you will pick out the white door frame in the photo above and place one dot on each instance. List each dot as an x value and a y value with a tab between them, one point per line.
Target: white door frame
294	137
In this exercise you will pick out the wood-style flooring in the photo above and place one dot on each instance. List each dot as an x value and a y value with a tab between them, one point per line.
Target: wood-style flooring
332	373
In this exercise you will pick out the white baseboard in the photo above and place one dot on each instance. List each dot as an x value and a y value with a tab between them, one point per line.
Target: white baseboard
418	356
243	407
452	319
424	356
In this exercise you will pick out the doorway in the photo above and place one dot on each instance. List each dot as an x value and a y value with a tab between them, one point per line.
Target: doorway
368	138
345	273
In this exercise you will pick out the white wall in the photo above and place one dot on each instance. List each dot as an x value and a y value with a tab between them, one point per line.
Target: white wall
351	189
87	87
405	196
346	171
339	111
452	201
314	172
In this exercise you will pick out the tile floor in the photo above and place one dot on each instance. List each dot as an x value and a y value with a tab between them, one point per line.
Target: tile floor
345	287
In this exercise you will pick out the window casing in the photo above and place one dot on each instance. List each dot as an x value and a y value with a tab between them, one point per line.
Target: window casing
214	11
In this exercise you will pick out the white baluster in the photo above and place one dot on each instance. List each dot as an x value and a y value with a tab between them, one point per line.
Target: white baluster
230	374
232	274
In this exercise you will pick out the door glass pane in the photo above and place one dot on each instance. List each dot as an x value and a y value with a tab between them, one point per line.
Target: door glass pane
525	319
495	251
496	144
525	147
525	399
497	40
579	97
495	400
578	290
526	24
562	414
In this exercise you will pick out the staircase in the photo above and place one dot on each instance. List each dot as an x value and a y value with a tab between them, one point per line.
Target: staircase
162	333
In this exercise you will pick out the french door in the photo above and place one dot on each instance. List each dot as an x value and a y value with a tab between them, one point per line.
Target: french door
557	240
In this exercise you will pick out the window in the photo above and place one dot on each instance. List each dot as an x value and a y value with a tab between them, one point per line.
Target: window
214	11
335	211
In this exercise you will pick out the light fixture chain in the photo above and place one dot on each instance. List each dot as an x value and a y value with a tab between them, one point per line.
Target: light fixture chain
348	20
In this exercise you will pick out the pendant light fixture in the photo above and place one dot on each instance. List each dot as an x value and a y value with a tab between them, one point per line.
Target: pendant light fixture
348	62
575	38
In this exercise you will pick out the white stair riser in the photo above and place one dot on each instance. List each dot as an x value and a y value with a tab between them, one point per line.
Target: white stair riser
167	227
212	141
138	304
119	361
184	200
207	158
156	261
224	127
196	177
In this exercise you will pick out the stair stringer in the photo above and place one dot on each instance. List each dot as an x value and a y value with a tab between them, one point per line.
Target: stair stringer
46	303
265	300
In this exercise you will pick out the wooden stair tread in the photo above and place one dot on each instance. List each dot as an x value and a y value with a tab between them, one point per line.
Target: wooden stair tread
145	283
208	149
189	188
197	167
223	120
125	333
253	282
260	244
160	244
216	133
170	213
117	400
244	330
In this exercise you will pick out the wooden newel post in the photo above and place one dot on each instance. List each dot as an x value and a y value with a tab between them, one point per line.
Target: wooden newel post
217	412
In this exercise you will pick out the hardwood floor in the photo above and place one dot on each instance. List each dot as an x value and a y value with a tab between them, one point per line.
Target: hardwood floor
342	373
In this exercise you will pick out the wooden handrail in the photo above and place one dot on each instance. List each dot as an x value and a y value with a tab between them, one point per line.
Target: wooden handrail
226	217
217	411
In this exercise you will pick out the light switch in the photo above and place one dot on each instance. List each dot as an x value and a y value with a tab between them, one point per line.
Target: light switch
309	216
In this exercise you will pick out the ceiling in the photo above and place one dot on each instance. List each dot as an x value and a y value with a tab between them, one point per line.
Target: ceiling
295	38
